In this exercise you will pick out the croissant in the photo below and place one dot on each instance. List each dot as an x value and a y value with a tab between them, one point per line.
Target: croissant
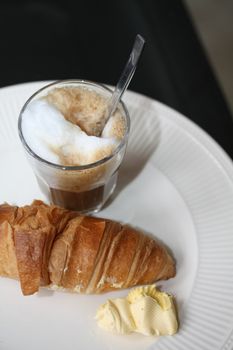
45	245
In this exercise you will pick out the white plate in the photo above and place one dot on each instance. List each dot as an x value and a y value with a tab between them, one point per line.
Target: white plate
176	183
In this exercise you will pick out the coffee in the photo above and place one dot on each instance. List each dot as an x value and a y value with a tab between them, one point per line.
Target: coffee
80	201
61	132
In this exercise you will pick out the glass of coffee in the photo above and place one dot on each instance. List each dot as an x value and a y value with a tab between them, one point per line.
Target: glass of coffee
74	154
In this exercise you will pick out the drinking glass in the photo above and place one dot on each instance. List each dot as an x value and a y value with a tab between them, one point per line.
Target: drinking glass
83	188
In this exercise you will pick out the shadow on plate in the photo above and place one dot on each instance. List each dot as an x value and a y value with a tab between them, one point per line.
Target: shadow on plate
145	135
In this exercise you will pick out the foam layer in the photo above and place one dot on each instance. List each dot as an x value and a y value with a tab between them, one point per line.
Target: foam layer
87	109
59	141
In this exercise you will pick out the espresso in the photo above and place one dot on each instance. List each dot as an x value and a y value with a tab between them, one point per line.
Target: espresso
80	201
83	201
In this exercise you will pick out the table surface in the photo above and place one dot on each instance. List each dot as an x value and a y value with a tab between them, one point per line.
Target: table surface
43	40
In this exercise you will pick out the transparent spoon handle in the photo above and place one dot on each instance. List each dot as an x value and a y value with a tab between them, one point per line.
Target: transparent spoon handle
126	75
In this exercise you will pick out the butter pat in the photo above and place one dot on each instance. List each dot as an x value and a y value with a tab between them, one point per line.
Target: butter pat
115	316
145	310
151	319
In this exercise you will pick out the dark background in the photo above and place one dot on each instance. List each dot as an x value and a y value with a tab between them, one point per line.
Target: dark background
50	40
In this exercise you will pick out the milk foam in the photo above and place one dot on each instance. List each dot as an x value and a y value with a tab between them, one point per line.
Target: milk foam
59	141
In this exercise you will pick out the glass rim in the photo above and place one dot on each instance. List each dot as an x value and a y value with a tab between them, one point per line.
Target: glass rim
72	167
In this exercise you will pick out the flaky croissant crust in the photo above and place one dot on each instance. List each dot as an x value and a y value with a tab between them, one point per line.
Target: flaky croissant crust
45	245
